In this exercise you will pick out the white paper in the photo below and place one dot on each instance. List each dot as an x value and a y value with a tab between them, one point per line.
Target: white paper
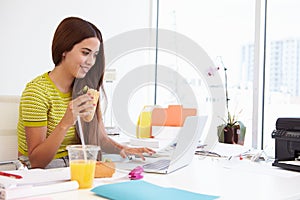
37	182
37	177
28	191
149	142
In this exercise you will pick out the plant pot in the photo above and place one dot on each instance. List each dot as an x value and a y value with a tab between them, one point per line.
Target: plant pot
232	135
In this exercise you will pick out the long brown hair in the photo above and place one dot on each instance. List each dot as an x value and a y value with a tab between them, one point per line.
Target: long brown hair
70	31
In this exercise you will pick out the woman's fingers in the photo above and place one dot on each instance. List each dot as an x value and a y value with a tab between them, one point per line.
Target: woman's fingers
149	151
136	151
141	156
82	105
123	153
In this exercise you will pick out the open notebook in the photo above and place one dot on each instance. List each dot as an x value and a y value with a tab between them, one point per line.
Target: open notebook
178	154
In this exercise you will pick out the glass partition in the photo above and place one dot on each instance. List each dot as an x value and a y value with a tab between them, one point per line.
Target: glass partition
282	96
225	31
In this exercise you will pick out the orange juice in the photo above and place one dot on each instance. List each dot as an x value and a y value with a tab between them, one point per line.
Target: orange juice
83	172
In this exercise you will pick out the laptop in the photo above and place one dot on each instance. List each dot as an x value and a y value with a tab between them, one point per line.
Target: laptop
177	155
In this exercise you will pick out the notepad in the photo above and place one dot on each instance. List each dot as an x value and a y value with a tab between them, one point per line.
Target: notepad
36	182
143	190
29	191
37	177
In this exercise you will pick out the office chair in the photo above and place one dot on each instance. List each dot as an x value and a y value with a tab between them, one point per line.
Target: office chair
9	108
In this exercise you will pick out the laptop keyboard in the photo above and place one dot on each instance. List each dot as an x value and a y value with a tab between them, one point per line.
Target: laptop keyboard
158	165
165	152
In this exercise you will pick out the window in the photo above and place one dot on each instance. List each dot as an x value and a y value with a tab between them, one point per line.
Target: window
282	65
225	31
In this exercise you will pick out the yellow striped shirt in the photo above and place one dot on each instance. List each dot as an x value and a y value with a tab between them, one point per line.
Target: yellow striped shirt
42	104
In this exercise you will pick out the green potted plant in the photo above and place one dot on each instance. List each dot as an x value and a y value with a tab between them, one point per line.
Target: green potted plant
232	131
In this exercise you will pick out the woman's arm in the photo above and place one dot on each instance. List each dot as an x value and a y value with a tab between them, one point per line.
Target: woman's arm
111	145
42	149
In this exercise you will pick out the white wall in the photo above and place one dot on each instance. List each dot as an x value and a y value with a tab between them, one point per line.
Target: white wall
27	28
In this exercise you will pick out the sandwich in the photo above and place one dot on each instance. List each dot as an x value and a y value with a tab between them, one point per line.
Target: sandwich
104	169
95	94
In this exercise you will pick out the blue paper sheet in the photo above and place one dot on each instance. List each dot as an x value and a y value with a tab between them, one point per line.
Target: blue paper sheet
142	190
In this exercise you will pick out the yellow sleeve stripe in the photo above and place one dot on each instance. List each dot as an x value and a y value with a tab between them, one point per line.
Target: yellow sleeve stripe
35	124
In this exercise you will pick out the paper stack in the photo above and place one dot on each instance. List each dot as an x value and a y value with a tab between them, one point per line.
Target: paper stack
145	142
36	182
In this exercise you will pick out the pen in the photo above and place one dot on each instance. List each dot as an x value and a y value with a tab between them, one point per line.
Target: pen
113	134
207	153
10	175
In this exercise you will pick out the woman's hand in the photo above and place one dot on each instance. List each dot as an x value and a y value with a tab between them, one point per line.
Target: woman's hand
136	151
81	106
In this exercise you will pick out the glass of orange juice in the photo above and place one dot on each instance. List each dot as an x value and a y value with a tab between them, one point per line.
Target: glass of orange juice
82	160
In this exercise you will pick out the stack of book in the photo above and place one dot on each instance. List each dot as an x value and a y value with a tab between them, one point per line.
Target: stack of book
34	182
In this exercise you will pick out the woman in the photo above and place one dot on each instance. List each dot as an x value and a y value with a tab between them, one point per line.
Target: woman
51	103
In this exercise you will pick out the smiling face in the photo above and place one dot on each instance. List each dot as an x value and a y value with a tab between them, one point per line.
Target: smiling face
82	57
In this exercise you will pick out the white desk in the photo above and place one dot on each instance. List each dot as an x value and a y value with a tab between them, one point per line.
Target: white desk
234	179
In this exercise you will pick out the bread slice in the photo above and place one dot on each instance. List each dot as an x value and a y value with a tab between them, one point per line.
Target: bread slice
104	169
94	93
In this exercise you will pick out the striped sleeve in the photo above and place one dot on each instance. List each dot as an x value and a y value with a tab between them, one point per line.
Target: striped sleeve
34	105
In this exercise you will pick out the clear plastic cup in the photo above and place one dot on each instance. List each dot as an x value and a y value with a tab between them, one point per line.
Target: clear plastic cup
82	164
